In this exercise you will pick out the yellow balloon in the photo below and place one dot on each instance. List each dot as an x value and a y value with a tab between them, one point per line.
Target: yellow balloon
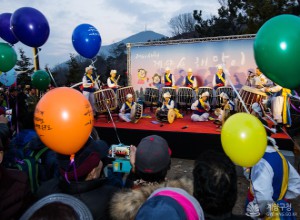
244	139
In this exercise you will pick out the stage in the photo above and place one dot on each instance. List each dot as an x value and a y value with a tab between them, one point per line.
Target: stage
187	139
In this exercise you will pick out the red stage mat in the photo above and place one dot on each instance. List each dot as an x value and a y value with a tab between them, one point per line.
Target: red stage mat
184	125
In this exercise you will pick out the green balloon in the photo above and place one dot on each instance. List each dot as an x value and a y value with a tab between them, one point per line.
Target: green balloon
277	50
8	57
40	80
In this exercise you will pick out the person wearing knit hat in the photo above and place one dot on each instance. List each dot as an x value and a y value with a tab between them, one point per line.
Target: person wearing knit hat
219	78
190	81
125	110
83	179
90	85
169	79
150	160
201	108
170	203
112	81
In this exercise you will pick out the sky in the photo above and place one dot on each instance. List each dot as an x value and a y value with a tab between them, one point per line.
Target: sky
114	19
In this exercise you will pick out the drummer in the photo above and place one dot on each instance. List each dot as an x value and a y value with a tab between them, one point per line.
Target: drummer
169	79
201	108
90	86
258	80
125	110
112	81
279	104
226	110
168	103
219	79
190	81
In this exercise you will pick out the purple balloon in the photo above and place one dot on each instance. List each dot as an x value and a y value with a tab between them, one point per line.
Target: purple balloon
30	26
5	31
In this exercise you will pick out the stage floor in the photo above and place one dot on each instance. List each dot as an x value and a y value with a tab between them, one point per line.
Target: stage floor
186	138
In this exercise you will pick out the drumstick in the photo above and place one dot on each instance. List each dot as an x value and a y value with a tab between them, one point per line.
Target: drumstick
77	84
117	79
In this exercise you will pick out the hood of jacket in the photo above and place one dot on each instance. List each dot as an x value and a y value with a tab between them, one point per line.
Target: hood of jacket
125	204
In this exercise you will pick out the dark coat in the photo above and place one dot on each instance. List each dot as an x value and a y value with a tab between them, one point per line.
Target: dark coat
95	194
15	194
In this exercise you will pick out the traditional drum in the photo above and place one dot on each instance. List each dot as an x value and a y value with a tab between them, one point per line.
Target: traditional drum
121	95
105	99
151	96
172	91
206	89
165	115
225	89
249	95
136	112
185	96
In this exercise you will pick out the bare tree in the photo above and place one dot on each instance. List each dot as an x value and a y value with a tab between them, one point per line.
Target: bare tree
183	23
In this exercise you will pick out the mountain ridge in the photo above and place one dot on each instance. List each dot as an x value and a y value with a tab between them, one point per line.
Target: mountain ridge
143	36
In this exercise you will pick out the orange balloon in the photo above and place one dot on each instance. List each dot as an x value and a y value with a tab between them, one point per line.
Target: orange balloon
63	119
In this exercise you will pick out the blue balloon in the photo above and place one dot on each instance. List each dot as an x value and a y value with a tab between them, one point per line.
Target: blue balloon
5	31
30	26
8	78
86	40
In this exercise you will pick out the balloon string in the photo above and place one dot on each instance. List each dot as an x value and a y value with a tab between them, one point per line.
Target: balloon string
74	167
77	84
72	163
17	109
111	118
93	61
8	106
294	107
50	73
234	89
66	178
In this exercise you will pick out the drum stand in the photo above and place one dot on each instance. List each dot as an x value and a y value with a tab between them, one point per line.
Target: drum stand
185	107
151	106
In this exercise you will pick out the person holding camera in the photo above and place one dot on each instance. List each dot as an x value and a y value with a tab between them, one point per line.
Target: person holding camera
150	162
